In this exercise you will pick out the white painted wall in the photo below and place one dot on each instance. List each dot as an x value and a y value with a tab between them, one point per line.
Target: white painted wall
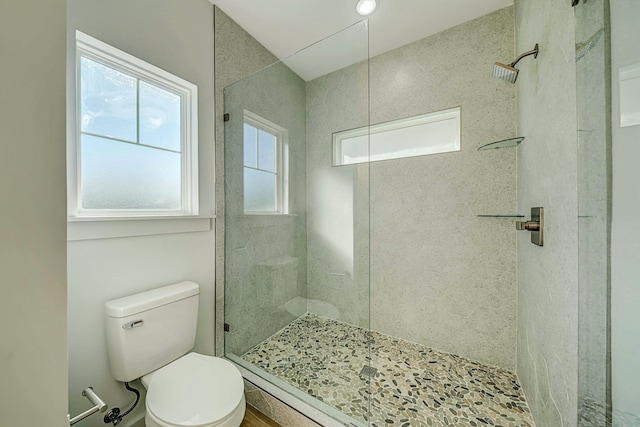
101	270
625	224
177	37
33	338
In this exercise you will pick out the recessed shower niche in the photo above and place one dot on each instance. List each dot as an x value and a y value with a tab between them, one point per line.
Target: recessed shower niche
431	133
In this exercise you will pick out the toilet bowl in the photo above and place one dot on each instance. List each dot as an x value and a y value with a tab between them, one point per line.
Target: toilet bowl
195	390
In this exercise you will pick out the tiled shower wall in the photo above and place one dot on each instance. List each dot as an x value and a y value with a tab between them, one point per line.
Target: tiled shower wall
440	276
547	168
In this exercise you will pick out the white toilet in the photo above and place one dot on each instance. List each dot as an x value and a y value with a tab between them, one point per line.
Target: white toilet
150	335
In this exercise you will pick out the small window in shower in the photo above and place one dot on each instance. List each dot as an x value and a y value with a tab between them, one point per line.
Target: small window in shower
265	164
430	133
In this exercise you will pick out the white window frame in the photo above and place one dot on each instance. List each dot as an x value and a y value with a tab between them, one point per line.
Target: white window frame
96	50
282	162
453	114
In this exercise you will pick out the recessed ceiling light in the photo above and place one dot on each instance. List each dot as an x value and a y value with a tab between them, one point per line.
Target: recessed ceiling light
365	7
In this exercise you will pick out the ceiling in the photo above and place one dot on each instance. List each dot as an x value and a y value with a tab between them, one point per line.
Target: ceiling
287	26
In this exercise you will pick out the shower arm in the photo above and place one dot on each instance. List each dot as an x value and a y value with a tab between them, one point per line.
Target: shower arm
533	52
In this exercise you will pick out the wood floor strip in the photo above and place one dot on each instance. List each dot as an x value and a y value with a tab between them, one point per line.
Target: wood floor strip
255	418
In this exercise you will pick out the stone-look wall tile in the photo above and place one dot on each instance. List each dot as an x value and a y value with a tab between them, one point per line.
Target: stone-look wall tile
440	276
251	249
278	411
547	168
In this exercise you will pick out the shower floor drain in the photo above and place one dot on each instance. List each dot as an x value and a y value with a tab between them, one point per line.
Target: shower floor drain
368	371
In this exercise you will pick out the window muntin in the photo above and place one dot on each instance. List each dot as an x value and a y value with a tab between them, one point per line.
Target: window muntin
136	149
264	166
430	133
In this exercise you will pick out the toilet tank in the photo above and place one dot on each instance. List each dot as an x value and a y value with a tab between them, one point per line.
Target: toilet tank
148	330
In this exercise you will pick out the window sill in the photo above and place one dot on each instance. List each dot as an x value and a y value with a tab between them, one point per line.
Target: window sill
265	219
93	228
274	214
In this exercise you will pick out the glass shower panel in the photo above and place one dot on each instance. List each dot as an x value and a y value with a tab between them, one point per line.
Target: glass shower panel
297	278
594	179
625	213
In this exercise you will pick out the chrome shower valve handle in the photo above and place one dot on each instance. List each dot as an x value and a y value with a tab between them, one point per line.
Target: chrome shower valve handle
528	225
535	225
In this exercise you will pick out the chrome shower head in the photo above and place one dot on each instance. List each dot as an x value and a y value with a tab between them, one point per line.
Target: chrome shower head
509	72
505	72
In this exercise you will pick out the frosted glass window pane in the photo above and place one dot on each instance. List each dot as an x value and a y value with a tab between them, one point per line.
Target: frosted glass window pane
266	151
119	175
250	146
259	191
108	103
159	117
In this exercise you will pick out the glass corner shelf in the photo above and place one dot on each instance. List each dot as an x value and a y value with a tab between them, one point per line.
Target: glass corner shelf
505	143
501	216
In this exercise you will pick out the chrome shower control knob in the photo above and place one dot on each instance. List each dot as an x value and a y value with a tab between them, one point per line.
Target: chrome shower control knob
535	225
528	225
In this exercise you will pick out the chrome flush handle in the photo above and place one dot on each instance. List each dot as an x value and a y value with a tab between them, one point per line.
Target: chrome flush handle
133	324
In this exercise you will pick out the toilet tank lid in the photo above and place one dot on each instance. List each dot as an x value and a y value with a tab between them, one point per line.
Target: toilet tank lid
137	303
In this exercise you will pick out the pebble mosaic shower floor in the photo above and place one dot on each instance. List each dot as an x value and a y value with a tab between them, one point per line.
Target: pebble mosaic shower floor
414	385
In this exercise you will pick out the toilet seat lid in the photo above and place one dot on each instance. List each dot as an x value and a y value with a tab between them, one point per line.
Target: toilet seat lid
195	390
